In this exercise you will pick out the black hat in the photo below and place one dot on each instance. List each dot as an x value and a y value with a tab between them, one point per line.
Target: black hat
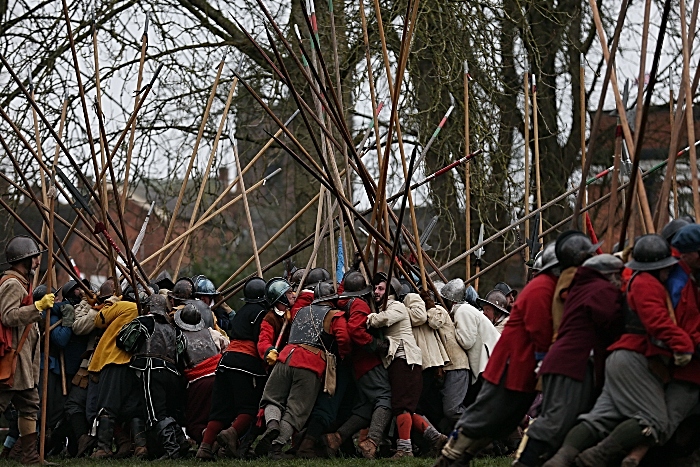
254	290
355	285
650	253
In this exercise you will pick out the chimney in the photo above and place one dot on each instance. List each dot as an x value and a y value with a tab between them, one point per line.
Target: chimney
223	176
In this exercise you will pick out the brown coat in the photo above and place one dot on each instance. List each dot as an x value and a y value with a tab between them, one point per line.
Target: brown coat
16	316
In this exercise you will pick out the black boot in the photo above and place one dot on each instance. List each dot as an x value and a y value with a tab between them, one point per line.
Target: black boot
167	435
263	446
138	432
105	433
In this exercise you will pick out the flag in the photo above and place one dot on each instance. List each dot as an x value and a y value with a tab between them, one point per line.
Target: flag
340	264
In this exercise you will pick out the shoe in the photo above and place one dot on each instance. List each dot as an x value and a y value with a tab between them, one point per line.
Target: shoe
332	441
438	444
138	431
265	443
368	448
564	457
601	454
30	456
461	461
275	452
5	454
228	440
123	442
205	453
86	444
307	448
105	433
400	454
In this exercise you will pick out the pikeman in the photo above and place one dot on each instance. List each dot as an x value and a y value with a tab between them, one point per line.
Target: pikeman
240	376
318	333
495	307
373	407
201	357
18	314
157	347
281	298
509	379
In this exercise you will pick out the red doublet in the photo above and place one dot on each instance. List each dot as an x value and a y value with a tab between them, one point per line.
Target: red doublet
648	298
362	360
528	330
300	357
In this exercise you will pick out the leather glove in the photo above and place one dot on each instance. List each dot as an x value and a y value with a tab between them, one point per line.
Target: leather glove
357	260
271	356
67	315
46	302
427	299
682	359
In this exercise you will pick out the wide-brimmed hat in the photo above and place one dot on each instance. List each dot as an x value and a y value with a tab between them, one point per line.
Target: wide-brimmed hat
650	253
188	318
496	299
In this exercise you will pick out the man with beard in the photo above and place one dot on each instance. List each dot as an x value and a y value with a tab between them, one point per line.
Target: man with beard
373	407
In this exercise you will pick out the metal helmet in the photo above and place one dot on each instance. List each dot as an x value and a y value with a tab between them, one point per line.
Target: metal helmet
315	276
21	247
296	278
164	280
547	259
355	285
651	252
106	289
68	288
276	291
438	285
406	288
379	277
471	296
183	289
605	263
496	299
670	229
395	288
158	305
40	291
254	290
505	289
204	287
144	296
573	247
324	292
188	318
454	291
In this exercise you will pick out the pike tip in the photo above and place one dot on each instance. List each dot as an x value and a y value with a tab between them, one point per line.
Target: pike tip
466	67
296	30
145	26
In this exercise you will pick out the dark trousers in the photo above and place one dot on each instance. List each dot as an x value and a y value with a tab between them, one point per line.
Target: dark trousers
162	394
406	386
326	409
119	394
235	393
198	406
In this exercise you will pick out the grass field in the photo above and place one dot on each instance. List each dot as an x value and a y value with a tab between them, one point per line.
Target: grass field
417	462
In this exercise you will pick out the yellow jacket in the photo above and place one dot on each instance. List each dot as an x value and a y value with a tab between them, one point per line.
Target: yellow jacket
112	317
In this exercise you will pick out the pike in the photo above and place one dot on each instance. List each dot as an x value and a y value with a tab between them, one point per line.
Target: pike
533	244
132	134
467	174
427	232
245	205
479	253
205	175
431	140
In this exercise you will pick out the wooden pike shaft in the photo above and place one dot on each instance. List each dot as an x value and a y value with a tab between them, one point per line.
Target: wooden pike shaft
535	127
205	176
612	206
582	129
526	81
467	177
395	90
690	121
203	220
269	242
622	115
193	157
676	208
39	150
247	209
132	134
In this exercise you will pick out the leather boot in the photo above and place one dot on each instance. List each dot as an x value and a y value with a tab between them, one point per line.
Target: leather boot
86	444
275	453
5	454
228	440
462	461
564	457
105	433
307	448
205	452
29	453
16	451
332	441
165	430
138	432
601	454
123	441
265	443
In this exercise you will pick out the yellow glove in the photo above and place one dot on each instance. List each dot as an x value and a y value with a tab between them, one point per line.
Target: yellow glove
271	356
46	302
